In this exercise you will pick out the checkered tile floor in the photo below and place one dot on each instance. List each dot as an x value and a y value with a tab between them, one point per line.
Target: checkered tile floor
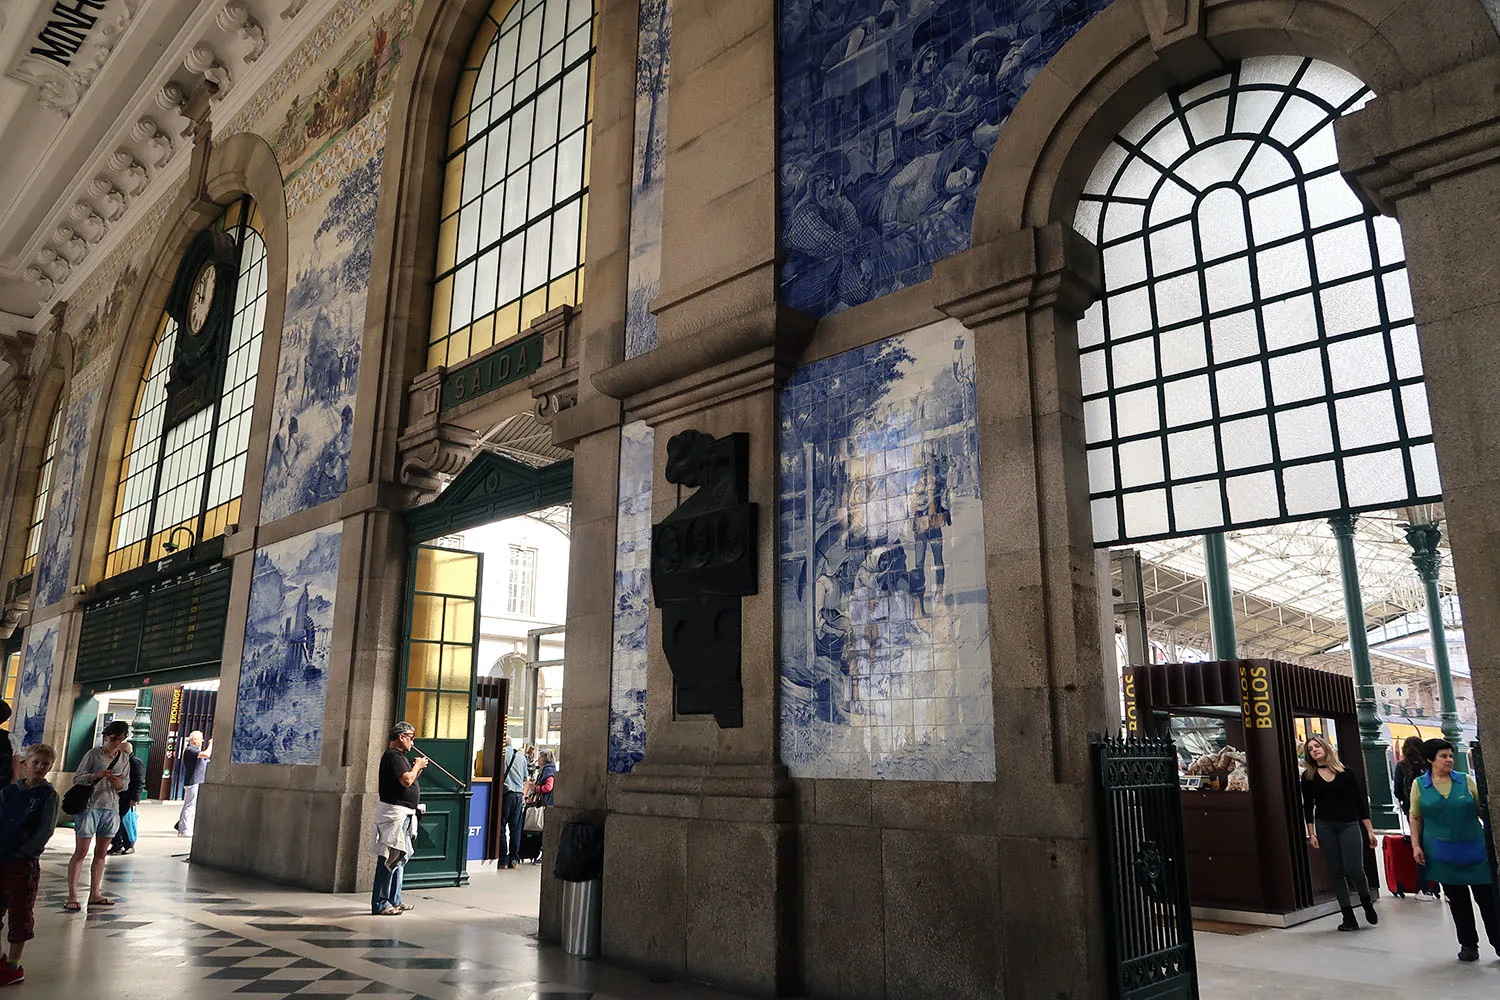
154	944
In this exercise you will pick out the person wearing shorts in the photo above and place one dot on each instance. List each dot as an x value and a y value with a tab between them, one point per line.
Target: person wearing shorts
28	814
107	769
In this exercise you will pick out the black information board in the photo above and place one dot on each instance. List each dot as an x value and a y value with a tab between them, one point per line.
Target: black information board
168	624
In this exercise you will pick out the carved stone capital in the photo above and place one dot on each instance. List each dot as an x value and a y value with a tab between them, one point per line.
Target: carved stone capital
1051	267
430	457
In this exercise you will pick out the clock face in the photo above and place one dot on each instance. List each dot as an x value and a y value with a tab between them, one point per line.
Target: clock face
202	298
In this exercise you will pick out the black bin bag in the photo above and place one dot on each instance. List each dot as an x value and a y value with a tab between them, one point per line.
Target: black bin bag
580	852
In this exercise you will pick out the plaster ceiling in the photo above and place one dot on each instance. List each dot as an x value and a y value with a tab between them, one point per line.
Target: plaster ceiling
91	119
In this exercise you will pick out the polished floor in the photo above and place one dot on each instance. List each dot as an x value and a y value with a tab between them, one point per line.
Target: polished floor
182	932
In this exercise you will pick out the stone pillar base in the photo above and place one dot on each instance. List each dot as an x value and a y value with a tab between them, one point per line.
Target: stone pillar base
699	875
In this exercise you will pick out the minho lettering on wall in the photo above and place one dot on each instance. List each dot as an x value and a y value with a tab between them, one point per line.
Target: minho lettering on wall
66	30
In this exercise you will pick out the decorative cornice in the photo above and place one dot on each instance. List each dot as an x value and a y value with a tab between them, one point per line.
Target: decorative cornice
1403	142
1051	267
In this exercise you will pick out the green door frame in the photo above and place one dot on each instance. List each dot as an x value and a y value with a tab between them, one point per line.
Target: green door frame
491	488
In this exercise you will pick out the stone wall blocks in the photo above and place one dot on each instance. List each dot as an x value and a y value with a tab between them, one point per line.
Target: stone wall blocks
841	803
921	805
741	903
715	95
842	910
943	893
701	32
646	903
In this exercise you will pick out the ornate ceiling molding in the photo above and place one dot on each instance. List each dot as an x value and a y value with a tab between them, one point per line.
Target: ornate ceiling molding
71	45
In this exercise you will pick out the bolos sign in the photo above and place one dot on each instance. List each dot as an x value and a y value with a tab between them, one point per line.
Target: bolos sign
70	42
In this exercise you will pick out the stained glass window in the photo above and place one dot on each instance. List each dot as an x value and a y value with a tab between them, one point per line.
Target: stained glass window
515	190
192	475
43	488
1253	357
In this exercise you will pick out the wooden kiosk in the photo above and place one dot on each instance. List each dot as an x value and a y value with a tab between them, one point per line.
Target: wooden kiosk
1248	858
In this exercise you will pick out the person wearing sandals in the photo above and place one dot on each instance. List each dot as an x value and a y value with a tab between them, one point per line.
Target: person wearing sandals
395	819
107	769
1448	838
1337	813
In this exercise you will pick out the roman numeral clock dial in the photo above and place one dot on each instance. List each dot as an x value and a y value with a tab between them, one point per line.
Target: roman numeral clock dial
202	298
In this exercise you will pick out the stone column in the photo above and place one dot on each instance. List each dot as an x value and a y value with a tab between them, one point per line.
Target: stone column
1022	296
1371	739
1424	540
1430	155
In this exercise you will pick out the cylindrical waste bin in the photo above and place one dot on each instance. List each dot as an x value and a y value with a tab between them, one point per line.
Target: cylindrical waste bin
580	930
580	866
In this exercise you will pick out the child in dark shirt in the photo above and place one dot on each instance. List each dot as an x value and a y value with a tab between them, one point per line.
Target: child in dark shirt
28	815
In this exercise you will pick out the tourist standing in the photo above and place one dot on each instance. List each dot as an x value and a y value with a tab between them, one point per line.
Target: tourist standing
107	769
395	819
513	806
195	758
28	815
1337	813
125	838
1448	838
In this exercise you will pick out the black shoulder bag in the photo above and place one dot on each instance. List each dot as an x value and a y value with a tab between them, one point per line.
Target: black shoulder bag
77	798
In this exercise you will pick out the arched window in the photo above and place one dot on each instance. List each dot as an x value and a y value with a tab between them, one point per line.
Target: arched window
43	487
1253	358
515	193
191	475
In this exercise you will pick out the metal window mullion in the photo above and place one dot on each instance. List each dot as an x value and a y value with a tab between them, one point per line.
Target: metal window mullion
1161	397
1322	341
1258	306
1211	365
1403	435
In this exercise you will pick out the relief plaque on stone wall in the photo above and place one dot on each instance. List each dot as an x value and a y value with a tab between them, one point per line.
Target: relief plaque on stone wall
702	565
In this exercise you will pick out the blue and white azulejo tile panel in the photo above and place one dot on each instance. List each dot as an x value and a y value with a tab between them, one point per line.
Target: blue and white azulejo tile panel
67	471
885	649
889	111
278	716
653	68
317	376
627	682
34	690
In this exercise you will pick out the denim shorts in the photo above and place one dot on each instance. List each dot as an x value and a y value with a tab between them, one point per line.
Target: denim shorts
97	823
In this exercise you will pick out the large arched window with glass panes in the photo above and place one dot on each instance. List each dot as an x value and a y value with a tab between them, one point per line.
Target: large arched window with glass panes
181	481
1253	358
515	191
43	489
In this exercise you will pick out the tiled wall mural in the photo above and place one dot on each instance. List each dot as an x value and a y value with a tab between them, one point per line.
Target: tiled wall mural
627	684
33	692
312	426
885	651
653	67
67	473
331	83
278	716
889	110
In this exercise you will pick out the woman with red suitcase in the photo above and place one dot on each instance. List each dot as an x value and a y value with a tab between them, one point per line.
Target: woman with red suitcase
1337	813
1448	838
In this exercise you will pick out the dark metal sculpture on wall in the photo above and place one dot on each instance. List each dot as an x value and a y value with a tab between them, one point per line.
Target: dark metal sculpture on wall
702	565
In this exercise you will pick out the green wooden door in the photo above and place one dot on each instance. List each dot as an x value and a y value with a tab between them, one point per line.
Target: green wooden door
437	690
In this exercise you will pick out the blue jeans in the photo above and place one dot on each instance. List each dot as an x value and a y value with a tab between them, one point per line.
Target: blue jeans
387	892
512	813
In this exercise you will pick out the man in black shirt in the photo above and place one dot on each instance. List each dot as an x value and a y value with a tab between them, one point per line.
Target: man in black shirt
395	819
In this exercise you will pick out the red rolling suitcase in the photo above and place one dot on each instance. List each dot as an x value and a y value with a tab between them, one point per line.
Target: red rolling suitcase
1400	865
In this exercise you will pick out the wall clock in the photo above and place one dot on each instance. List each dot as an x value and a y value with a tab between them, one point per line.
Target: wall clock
201	300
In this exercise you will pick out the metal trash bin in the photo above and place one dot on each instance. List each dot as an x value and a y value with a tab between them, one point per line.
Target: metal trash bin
581	904
580	867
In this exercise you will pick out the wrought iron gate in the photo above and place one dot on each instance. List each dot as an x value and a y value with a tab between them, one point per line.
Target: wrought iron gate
1144	862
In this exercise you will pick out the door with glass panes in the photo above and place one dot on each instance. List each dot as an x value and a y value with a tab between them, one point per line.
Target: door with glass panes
437	691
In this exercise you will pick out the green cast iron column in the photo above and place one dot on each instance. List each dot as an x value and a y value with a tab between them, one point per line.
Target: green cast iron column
1424	539
1371	739
1220	596
140	733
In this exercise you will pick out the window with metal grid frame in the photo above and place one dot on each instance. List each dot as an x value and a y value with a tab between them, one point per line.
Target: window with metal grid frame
192	476
440	650
515	189
43	489
1253	358
521	591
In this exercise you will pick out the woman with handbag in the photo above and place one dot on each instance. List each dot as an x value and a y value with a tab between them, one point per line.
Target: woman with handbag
1448	838
94	803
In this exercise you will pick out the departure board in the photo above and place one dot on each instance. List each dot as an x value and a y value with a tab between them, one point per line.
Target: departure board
167	624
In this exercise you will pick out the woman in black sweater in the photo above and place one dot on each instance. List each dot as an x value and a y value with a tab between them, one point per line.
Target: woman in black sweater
1335	807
